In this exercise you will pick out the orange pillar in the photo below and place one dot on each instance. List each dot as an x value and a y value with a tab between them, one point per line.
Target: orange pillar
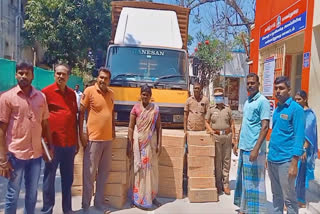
307	46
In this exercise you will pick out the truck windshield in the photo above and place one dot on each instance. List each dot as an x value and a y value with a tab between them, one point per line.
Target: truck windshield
140	64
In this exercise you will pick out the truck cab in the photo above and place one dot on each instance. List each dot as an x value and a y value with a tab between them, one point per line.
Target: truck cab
148	49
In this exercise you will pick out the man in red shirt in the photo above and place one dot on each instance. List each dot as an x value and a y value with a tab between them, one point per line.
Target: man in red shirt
63	124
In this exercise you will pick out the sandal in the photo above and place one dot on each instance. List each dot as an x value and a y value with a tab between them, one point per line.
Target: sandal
156	203
301	205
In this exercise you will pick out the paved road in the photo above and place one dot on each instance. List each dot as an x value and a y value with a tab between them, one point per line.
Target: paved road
225	205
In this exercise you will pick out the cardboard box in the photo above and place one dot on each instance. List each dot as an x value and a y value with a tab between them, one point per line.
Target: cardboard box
194	161
201	182
169	172
168	152
172	162
78	159
119	190
119	165
172	140
201	150
117	178
170	192
203	195
203	171
170	182
119	154
200	138
77	180
77	169
115	201
76	190
120	142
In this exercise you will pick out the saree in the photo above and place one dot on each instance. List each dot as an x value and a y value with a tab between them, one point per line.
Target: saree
145	158
306	168
250	192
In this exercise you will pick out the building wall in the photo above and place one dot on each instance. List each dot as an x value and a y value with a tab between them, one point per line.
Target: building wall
265	11
314	84
307	44
8	13
316	14
296	44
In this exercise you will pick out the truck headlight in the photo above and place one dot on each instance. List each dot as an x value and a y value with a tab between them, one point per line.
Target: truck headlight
177	118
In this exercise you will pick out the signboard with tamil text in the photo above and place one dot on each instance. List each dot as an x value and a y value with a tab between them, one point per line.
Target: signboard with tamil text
288	22
268	76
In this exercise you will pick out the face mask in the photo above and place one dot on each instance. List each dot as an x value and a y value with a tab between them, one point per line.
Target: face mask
219	99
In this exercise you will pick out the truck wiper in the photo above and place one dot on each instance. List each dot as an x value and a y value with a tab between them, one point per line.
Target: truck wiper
126	75
166	77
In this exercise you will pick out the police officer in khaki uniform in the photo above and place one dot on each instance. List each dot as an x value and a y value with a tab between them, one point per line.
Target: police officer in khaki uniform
195	110
219	122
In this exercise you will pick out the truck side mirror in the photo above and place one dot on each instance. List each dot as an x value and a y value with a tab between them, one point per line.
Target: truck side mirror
195	64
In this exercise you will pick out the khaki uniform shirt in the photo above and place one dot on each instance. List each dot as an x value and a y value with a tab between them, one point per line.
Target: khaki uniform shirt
219	119
197	111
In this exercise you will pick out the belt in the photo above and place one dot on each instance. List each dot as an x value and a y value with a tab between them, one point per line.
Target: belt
222	132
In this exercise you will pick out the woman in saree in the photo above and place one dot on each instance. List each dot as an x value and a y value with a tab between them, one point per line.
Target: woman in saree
144	135
307	160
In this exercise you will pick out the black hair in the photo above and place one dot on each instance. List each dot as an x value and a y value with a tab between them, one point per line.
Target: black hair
253	75
106	70
304	95
24	65
64	65
282	79
146	88
197	82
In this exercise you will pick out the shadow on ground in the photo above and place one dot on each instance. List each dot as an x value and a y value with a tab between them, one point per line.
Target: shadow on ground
3	188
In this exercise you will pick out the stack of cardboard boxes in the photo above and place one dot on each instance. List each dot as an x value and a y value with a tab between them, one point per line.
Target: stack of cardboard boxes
116	188
76	188
171	162
201	168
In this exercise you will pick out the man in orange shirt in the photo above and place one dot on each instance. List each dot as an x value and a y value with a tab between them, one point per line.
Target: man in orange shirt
23	119
98	100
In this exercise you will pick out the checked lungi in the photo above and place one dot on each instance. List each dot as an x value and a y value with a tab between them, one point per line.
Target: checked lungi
250	192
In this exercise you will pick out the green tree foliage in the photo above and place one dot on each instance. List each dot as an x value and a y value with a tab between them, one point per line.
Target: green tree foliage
190	40
212	57
67	29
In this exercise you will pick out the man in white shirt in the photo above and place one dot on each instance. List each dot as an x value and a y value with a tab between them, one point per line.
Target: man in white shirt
78	95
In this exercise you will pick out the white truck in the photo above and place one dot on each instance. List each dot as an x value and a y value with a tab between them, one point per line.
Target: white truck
149	46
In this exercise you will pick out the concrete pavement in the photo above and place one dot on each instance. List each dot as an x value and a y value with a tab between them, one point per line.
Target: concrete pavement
225	205
313	193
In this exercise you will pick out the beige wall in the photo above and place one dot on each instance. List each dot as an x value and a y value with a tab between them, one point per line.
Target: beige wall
314	82
316	14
